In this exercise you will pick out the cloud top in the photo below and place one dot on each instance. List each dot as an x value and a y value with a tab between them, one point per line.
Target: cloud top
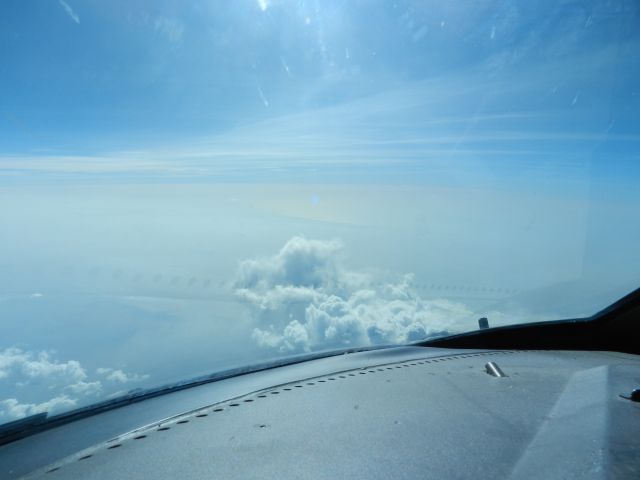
300	263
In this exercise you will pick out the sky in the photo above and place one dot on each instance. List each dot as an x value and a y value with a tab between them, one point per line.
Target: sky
190	186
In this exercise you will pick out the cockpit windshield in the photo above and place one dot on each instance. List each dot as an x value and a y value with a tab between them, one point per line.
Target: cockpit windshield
191	186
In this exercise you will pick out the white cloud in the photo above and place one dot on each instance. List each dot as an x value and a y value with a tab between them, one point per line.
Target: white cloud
263	4
62	383
118	376
11	408
306	300
67	8
86	388
38	366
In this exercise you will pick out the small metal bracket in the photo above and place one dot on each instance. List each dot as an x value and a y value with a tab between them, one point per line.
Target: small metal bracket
493	369
634	396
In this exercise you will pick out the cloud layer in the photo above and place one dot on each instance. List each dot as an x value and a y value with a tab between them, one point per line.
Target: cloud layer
305	299
66	383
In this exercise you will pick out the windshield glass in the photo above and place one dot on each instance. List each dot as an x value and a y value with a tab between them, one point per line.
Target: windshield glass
187	187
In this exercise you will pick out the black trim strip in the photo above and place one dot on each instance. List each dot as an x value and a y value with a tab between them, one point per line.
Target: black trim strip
614	328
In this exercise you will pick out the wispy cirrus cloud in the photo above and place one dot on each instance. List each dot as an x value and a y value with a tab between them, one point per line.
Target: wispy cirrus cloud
431	127
67	8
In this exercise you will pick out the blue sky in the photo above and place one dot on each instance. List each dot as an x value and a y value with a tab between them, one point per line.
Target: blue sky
170	170
89	78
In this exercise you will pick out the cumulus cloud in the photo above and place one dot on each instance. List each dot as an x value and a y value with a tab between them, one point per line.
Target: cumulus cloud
305	299
38	366
63	384
13	409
